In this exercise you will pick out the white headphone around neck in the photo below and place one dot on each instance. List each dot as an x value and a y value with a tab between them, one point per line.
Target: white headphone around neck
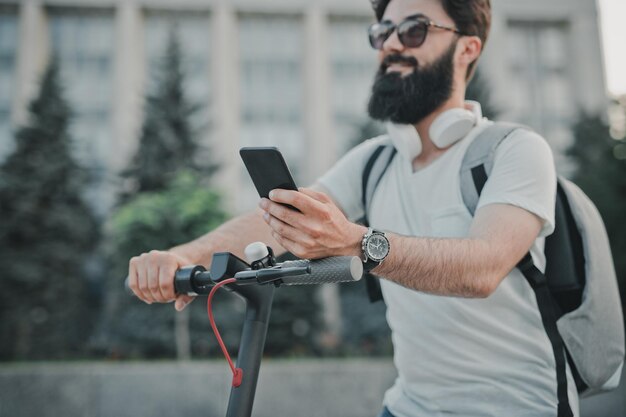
448	128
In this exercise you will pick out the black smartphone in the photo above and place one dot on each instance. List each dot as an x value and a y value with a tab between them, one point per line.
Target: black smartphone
268	170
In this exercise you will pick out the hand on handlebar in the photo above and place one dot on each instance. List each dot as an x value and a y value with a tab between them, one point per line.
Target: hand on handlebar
319	230
151	277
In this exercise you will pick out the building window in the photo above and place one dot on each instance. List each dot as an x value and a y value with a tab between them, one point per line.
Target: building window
8	44
271	56
541	95
83	43
193	33
354	65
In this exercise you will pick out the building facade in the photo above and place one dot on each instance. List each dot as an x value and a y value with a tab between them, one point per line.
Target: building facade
289	73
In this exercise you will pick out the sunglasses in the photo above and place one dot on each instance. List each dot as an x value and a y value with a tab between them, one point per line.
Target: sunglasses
412	31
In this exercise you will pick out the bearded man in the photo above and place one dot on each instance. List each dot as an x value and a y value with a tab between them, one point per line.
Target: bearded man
467	334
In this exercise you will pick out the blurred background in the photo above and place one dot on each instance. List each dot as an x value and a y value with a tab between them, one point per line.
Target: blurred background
120	125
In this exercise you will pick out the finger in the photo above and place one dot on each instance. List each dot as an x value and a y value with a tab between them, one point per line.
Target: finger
166	283
291	233
308	224
142	280
183	301
301	201
152	267
314	194
283	213
290	245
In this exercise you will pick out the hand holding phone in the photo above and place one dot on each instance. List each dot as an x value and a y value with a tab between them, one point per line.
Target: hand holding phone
268	170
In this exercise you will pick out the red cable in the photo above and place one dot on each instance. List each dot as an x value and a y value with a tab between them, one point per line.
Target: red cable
237	372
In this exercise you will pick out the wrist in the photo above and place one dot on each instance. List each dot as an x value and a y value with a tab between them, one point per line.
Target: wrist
355	239
193	253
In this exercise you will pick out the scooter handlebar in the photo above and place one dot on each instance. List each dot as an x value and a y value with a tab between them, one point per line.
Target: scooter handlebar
192	280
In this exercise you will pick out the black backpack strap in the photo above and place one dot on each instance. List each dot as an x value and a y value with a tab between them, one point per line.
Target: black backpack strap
366	177
375	167
477	164
547	309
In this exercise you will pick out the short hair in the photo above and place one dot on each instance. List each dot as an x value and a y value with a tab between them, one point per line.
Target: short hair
471	17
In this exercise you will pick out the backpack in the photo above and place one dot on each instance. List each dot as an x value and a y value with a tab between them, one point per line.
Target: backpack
577	296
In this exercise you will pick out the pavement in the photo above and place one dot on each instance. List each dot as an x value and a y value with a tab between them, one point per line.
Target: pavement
302	388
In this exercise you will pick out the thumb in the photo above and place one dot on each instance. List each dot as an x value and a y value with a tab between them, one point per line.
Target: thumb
182	301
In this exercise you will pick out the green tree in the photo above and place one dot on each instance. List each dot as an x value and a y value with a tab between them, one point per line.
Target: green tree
601	174
169	141
159	220
47	233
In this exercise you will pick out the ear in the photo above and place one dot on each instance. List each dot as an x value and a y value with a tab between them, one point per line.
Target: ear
468	49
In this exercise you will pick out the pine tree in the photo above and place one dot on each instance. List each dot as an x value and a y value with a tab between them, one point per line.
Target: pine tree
46	234
168	141
169	164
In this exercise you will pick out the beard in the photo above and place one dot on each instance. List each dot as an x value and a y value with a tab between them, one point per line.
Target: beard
409	99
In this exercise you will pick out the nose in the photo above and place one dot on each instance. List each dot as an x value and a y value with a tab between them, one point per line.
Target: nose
392	44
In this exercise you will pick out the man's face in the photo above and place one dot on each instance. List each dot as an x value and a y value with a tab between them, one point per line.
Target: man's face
413	82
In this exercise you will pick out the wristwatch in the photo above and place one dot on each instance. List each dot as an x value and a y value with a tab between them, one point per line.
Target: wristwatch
375	247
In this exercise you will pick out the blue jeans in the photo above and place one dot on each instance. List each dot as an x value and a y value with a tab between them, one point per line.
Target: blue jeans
385	413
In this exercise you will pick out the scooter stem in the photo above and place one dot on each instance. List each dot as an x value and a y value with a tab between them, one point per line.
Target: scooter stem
258	307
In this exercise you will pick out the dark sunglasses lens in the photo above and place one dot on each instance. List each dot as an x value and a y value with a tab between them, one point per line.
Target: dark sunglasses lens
378	34
412	33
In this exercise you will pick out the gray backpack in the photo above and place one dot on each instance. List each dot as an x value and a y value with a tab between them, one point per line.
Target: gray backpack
578	296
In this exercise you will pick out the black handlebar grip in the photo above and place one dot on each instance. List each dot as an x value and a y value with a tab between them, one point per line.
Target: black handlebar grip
326	270
184	279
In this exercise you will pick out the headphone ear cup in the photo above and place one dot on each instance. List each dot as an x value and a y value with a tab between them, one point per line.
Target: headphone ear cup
451	126
405	139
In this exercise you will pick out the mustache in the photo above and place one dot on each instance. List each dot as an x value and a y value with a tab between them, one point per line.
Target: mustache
397	59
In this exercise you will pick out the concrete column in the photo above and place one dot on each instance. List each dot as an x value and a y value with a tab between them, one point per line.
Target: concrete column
32	57
225	110
588	69
494	60
320	138
321	144
128	84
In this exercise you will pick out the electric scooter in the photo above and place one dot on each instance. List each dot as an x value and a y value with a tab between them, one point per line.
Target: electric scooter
255	282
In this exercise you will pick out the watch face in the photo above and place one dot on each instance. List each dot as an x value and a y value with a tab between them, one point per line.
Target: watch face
377	247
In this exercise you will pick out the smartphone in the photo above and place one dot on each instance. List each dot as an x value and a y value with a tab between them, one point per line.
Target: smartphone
268	170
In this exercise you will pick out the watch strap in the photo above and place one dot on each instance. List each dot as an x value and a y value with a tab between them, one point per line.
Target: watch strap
370	264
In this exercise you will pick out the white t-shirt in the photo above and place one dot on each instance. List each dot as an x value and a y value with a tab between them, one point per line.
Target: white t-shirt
456	356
